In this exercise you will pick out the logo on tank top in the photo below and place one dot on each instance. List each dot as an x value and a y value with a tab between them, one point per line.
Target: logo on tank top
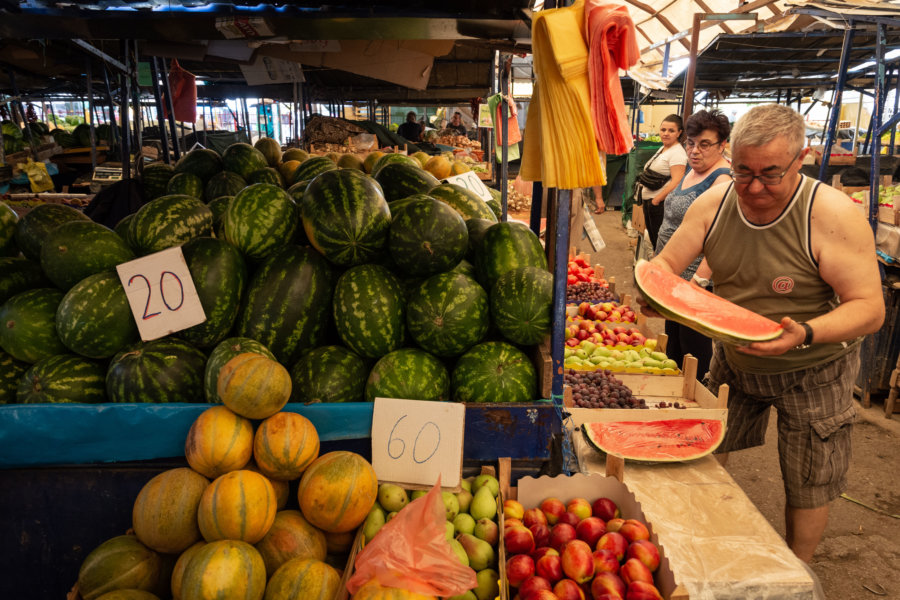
783	285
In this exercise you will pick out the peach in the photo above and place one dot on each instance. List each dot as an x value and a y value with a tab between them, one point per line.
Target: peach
507	523
641	590
578	561
534	515
614	524
518	540
533	585
543	551
605	509
590	530
605	562
570	518
608	584
614	542
634	570
541	533
513	509
519	568
634	530
646	552
563	533
566	589
552	509
541	595
580	507
549	567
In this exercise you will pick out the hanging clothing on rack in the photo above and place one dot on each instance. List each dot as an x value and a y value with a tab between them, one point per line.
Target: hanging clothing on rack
513	135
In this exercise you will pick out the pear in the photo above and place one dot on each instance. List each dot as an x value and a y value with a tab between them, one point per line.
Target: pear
469	595
487	530
488	480
466	484
451	504
418	494
449	530
481	555
392	497
374	522
391	515
465	499
488	586
460	552
464	523
484	504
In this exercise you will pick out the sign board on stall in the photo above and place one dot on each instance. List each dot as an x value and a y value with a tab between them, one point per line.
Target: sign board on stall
471	182
414	441
161	293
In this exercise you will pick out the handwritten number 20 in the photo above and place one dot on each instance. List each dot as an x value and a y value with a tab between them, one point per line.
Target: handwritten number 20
162	293
395	454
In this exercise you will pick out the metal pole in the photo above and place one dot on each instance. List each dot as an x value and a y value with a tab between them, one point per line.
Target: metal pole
126	93
896	104
17	105
836	100
560	263
504	137
90	95
114	128
136	98
170	106
877	112
537	200
163	134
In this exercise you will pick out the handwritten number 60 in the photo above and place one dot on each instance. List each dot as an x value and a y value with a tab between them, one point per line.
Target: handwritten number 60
397	454
162	292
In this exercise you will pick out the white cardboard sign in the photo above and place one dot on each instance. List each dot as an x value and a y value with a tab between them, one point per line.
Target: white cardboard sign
161	293
413	441
471	182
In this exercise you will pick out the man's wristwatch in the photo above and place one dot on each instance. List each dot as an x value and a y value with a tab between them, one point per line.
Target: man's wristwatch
808	340
701	281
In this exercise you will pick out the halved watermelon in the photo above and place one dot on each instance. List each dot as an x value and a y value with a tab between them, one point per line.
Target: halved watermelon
688	304
670	440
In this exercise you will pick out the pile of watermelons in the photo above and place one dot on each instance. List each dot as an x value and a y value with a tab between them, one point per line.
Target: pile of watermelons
364	281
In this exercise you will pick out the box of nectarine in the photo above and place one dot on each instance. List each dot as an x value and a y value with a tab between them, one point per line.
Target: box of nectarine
583	536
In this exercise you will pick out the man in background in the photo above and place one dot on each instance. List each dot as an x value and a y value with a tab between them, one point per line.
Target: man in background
411	129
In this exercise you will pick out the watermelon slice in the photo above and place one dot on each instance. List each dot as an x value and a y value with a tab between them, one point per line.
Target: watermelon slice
670	440
681	301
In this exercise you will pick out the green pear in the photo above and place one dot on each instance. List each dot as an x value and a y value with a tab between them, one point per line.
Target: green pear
460	552
464	523
469	595
487	530
466	483
488	586
418	494
488	480
451	504
484	504
374	522
465	499
392	497
449	530
481	555
391	515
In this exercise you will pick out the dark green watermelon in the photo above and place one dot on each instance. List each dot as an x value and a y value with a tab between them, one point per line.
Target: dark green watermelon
185	183
155	179
33	228
218	206
260	220
447	314
104	134
77	249
329	374
494	372
266	175
476	228
399	180
495	207
522	303
243	159
466	203
123	230
369	310
221	354
159	371
345	217
11	371
28	325
315	165
393	158
296	191
19	274
427	237
225	183
63	378
286	305
94	318
8	220
202	162
396	205
464	267
169	221
219	274
504	247
82	134
409	374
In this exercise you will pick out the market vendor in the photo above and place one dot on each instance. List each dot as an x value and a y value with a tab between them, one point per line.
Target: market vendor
456	123
797	251
411	129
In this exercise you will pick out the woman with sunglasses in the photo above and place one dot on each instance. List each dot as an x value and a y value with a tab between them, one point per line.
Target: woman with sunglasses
707	132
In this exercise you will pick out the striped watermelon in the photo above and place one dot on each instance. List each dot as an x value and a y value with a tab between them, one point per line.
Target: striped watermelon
345	217
369	310
8	220
158	371
464	267
309	168
32	229
286	305
427	237
494	372
219	274
169	221
296	191
393	158
94	318
11	371
202	162
218	206
399	180
476	228
504	247
123	230
266	175
155	179
225	183
243	159
410	374
269	148
328	374
260	220
447	314
62	378
19	274
187	184
521	305
494	205
221	354
466	203
77	249
28	325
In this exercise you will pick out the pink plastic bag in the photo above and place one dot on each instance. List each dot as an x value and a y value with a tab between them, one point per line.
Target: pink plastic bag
411	552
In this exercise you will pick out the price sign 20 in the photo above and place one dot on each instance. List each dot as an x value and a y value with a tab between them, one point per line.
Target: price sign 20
162	291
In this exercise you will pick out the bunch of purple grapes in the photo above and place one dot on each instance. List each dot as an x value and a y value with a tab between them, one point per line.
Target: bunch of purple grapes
600	389
589	291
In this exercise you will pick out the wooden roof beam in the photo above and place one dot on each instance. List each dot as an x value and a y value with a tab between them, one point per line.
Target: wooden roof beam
662	19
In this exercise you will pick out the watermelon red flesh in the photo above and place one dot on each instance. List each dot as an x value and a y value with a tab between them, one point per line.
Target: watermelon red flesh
688	304
656	441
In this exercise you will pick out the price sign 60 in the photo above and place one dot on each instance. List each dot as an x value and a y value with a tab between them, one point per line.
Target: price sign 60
429	434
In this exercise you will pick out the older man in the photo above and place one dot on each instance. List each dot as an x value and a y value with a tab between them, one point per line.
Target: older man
799	252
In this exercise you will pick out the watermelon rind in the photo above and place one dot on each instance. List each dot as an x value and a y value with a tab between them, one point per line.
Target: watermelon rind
94	318
504	247
521	305
447	314
185	183
266	175
477	228
399	180
494	372
427	237
393	158
201	162
683	302
62	378
243	159
369	310
155	179
28	325
668	440
169	221
260	220
18	274
329	374
77	249
11	371
8	220
466	203
221	354
32	229
225	183
410	374
311	167
158	371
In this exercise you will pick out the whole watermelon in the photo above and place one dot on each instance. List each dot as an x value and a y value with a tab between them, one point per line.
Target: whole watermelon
202	162
158	371
11	371
219	274
328	374
409	374
286	306
221	354
495	207
315	165
77	249
447	314
18	275
504	247
123	230
32	229
466	203
522	303
82	133
427	237
464	267
476	229
399	180
8	220
393	158
225	183
94	318
169	221
296	191
346	217
494	372
62	378
218	206
243	159
269	148
155	179
369	310
28	325
266	175
260	220
185	183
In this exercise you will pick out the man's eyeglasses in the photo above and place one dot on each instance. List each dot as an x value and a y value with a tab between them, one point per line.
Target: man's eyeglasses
703	146
765	179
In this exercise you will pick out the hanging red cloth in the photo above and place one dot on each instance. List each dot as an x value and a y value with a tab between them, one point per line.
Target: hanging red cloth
183	86
612	45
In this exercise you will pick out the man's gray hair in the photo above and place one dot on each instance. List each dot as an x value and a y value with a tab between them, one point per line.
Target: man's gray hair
764	122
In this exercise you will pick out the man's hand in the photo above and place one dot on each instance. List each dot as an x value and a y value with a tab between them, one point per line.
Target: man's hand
791	337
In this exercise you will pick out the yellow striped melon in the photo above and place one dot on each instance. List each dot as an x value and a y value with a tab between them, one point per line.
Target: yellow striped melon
237	506
284	445
254	386
373	590
304	579
291	536
337	491
282	488
219	442
225	569
164	517
180	566
119	563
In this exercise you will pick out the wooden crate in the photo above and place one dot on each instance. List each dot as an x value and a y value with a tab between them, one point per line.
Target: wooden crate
839	156
887	215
